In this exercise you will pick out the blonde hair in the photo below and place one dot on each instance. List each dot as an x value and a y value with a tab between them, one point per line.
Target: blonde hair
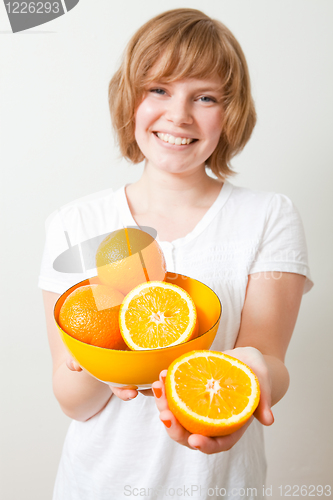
187	44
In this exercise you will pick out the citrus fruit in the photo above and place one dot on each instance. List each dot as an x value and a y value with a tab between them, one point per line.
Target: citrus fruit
211	393
91	314
157	314
128	257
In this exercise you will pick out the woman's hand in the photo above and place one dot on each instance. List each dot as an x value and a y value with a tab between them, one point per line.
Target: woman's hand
256	361
127	394
73	365
253	358
123	393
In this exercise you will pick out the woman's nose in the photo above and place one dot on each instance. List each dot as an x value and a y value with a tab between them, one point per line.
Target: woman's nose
179	111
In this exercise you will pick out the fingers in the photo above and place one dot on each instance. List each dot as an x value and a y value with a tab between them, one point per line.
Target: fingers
147	392
256	361
175	430
263	412
123	393
159	392
126	394
73	365
211	445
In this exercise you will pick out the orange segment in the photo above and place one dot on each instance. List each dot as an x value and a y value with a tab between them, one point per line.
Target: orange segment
157	314
211	393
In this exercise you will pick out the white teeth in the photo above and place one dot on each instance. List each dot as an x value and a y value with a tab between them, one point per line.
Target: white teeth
173	140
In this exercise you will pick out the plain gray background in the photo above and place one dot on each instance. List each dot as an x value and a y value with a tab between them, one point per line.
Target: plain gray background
57	145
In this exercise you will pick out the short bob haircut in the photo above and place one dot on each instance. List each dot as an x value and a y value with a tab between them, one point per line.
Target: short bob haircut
187	44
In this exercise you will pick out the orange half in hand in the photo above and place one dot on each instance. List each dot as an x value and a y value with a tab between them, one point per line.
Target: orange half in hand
157	314
211	393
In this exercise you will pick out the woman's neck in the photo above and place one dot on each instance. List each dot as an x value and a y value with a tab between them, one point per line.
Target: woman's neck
161	191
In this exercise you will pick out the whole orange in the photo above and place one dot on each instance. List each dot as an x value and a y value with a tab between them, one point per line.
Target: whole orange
128	257
91	314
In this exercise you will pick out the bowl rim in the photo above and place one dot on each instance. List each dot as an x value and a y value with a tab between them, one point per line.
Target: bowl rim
87	281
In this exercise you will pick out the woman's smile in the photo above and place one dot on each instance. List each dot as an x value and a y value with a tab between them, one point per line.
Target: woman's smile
171	139
177	142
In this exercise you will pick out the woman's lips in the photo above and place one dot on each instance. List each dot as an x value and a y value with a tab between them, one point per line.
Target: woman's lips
171	139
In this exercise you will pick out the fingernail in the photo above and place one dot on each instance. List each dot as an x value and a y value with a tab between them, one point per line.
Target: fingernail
196	447
163	378
167	423
157	392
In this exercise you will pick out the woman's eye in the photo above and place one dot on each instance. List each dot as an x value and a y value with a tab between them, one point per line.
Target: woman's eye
205	98
158	91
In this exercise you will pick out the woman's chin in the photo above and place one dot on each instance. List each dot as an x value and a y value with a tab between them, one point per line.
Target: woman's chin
171	167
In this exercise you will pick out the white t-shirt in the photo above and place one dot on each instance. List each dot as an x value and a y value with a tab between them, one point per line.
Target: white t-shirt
124	451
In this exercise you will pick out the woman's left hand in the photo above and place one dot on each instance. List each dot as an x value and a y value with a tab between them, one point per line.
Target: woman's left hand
256	361
253	358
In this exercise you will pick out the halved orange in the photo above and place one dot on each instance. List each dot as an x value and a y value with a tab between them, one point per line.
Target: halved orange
157	314
211	393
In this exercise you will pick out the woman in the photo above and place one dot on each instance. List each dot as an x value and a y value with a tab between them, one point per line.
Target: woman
181	101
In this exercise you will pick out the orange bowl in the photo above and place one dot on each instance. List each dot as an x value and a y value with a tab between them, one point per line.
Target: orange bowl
139	369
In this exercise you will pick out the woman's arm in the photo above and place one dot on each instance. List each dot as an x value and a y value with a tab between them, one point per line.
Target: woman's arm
268	318
79	394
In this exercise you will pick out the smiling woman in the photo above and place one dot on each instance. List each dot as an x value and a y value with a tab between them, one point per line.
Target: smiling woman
184	44
180	101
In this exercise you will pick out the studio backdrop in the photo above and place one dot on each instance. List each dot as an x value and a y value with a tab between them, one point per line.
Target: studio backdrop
57	145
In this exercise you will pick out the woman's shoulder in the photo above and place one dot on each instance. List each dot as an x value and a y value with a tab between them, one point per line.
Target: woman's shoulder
93	200
85	217
259	212
89	206
255	195
254	200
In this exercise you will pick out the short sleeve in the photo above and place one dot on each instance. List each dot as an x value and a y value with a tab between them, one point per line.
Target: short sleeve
283	245
59	235
73	234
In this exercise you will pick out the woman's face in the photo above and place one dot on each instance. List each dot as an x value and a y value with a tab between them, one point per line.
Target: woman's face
178	124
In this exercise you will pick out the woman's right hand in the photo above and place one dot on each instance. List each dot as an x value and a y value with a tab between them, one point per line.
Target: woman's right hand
73	365
121	392
124	393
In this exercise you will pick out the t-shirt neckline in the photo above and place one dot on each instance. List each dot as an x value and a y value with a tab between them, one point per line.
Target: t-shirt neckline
128	220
